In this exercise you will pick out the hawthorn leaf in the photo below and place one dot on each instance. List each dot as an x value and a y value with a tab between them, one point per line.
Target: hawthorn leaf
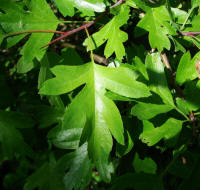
88	7
183	106
122	150
140	4
140	67
11	139
79	169
157	79
45	178
191	90
186	69
53	175
151	135
195	3
112	34
98	116
145	111
147	165
38	17
152	22
195	23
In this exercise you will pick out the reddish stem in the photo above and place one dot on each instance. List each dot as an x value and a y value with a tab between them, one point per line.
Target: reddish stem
190	33
87	25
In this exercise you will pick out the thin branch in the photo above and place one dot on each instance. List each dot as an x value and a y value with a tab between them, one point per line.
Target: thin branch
188	16
99	59
90	41
173	75
87	25
33	31
166	61
190	33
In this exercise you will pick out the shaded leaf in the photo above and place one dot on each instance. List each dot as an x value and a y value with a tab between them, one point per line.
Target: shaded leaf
39	17
79	169
186	69
12	142
157	79
151	135
147	165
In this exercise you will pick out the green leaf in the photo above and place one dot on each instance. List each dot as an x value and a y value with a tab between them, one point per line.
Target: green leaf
186	69
112	34
12	142
140	67
2	36
147	165
88	7
139	3
170	129
157	79
97	113
38	17
122	150
183	106
153	23
145	111
192	90
195	3
45	178
53	175
79	169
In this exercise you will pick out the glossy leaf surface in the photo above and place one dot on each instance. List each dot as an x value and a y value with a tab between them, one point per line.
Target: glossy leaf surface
95	117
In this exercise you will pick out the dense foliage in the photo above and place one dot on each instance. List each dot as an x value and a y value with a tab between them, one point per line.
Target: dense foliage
99	94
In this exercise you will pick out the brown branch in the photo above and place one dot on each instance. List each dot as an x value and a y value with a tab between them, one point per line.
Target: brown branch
173	75
33	31
99	59
87	25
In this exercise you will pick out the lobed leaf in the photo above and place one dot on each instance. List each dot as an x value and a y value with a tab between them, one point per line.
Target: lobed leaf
88	7
98	116
38	17
112	34
145	111
170	129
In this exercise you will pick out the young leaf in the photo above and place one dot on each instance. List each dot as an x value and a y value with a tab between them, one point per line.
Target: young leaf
97	113
157	79
186	69
152	22
150	135
145	111
88	7
112	34
39	17
147	165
